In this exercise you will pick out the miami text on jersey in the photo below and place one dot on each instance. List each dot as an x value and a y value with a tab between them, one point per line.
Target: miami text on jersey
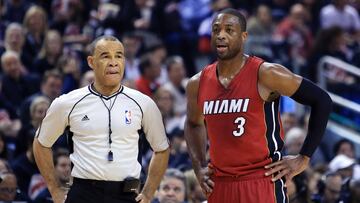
225	106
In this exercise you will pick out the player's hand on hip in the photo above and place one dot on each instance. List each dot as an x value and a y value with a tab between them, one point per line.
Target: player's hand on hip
204	178
141	198
288	167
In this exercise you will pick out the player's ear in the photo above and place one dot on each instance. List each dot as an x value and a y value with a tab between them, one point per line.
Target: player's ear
90	60
244	36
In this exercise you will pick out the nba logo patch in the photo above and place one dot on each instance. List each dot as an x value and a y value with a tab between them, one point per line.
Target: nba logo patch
127	117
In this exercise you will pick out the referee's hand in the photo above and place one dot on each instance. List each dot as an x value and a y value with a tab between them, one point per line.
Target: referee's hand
288	167
141	198
60	195
204	177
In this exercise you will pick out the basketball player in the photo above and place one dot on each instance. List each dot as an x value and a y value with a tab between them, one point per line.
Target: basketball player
235	103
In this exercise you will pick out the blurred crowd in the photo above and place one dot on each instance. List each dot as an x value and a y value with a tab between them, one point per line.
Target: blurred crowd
43	49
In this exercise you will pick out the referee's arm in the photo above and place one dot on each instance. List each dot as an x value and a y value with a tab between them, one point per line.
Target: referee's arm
155	134
44	160
157	168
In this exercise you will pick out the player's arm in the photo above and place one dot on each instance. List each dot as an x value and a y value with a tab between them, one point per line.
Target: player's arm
276	78
195	135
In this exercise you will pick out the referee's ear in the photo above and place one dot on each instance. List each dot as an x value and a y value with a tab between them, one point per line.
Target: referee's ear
90	60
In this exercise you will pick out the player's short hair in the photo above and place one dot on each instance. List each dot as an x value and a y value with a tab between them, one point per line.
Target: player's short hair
234	12
104	37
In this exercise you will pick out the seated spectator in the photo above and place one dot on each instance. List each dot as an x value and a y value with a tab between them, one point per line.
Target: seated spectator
132	45
38	109
50	52
8	189
35	24
87	78
30	182
177	83
294	140
15	81
68	65
165	101
50	87
62	165
329	189
14	41
172	187
147	83
342	165
260	29
347	148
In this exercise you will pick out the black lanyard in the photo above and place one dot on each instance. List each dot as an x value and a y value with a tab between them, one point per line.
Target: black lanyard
110	154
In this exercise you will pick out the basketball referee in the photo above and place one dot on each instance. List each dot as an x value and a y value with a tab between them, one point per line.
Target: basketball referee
104	123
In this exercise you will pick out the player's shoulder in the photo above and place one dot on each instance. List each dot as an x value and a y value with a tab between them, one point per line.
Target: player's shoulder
267	68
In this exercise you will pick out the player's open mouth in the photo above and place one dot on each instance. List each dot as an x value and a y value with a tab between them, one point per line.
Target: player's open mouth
221	47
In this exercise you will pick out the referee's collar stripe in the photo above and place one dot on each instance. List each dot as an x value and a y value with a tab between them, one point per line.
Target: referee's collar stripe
103	96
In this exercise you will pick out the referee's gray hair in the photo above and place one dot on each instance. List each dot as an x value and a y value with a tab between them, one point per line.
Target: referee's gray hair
104	37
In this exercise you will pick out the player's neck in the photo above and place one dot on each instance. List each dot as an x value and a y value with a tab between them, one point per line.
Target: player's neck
106	90
229	68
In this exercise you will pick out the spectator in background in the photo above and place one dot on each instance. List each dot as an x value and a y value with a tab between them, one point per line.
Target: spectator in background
50	87
149	71
340	13
8	188
62	164
165	102
50	52
177	83
347	148
132	45
38	109
29	179
15	81
68	65
172	187
294	139
158	53
260	29
328	42
87	78
289	120
14	41
15	10
294	37
35	24
342	165
329	189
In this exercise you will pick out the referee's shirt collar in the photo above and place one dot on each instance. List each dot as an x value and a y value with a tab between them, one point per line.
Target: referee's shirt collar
93	91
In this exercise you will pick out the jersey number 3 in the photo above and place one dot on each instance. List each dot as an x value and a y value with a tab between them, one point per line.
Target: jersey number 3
240	121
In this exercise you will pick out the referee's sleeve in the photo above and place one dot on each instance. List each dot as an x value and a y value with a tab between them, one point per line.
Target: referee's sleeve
154	128
53	124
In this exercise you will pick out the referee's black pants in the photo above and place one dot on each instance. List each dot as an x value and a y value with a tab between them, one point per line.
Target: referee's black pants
95	191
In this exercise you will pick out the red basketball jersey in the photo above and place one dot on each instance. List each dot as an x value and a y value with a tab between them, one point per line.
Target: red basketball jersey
244	131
